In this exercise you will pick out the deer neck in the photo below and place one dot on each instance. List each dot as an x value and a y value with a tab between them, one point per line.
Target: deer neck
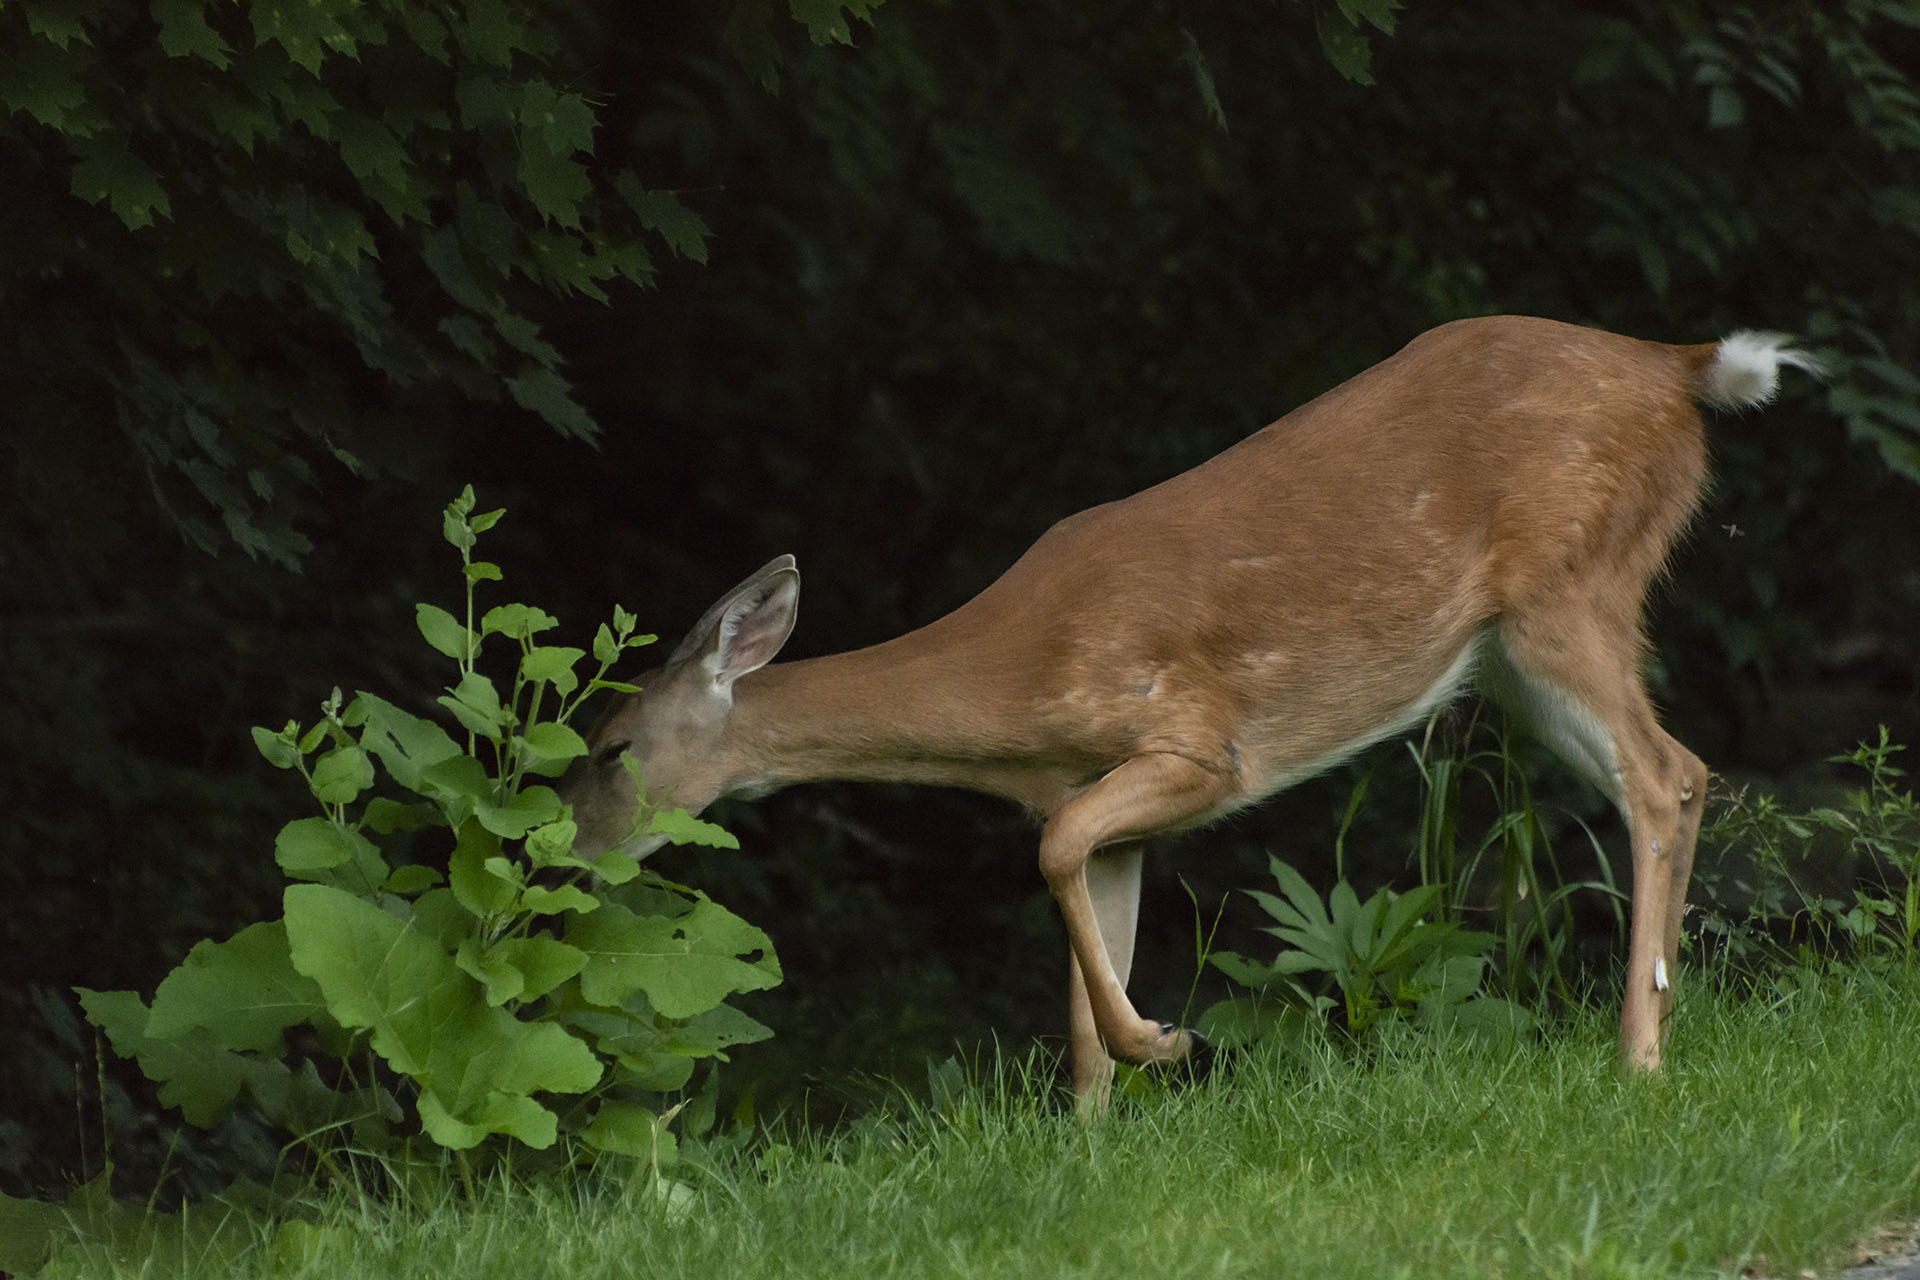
910	710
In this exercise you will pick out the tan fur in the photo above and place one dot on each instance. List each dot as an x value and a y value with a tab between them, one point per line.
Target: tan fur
1506	484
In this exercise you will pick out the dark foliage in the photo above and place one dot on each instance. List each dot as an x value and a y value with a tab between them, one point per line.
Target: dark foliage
982	266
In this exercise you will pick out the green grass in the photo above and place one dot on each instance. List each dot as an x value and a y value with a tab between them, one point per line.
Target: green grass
1783	1129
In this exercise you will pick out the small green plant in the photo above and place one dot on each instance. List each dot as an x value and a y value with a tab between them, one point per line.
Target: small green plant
1388	960
1790	887
513	988
1534	929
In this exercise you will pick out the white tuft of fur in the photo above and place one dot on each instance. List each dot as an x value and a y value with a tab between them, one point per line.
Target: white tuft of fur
1745	372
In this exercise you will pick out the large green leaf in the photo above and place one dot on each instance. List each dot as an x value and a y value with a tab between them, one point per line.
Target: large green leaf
245	990
428	1019
628	1129
511	1113
686	965
476	888
194	1070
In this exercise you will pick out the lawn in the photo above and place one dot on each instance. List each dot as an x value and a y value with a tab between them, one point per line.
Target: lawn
1785	1128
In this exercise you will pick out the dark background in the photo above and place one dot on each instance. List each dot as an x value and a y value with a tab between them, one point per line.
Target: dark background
981	267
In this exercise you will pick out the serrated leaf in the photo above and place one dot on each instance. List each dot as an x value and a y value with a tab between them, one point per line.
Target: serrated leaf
681	827
45	82
371	152
540	390
107	172
1345	45
1248	973
244	991
483	100
554	183
194	1072
1380	13
719	1028
184	32
560	121
663	213
686	965
826	20
491	32
425	1016
542	901
305	30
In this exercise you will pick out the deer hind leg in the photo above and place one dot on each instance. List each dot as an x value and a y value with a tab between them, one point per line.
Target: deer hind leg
1146	794
1113	886
1576	683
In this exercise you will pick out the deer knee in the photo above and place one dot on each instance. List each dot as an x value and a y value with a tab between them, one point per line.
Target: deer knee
1062	859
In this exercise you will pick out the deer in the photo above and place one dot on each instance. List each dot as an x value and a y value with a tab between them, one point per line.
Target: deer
1489	506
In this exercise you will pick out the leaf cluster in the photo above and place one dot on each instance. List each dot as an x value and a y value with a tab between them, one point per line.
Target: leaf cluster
467	1000
251	234
1387	959
1787	887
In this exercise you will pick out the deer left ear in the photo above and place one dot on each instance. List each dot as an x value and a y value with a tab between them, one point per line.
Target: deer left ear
746	627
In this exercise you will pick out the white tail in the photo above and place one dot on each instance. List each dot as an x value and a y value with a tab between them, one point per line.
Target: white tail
1492	501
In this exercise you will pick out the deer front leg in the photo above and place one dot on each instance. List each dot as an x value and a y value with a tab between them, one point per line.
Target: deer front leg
1113	885
1147	794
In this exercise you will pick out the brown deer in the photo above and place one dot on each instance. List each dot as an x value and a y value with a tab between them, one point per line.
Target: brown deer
1492	502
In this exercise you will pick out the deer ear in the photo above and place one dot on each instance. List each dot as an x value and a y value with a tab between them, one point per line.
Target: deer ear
746	627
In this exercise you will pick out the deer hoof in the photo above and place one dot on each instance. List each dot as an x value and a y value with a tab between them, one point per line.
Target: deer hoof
1196	1064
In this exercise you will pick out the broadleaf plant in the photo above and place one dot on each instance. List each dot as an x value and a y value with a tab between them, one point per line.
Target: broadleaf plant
513	989
1385	957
